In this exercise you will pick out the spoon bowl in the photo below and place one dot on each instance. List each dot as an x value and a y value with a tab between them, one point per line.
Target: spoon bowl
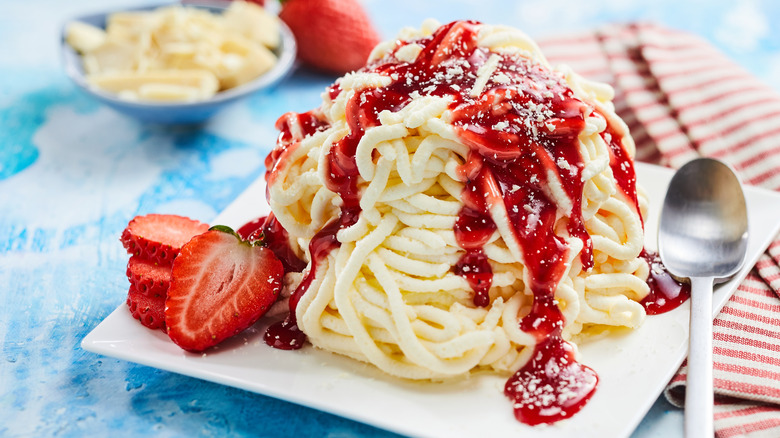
704	221
702	236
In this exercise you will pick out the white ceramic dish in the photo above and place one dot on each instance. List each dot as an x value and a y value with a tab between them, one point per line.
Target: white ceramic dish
178	112
633	366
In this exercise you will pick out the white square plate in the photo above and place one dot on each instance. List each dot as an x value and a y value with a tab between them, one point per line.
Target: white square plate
633	366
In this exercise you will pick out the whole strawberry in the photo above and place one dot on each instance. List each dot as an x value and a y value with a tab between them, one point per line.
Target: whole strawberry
332	35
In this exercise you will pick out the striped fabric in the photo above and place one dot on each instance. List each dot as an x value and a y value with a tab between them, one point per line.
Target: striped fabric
682	99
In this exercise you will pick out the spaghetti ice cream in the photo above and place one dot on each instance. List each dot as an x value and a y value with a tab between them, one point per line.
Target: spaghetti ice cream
458	204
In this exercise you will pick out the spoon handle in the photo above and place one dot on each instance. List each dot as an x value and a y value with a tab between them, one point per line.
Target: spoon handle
698	392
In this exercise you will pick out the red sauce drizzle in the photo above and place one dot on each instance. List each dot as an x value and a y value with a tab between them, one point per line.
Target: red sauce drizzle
552	385
283	335
343	178
293	128
275	237
473	229
474	267
622	166
523	134
248	229
666	293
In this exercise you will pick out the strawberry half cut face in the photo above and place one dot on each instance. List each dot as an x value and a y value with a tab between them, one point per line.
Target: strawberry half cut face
220	286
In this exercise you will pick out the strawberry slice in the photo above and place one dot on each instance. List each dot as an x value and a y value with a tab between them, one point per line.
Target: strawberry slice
149	278
150	310
159	237
220	286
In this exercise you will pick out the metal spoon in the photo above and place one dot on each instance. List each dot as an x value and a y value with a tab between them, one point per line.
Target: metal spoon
702	236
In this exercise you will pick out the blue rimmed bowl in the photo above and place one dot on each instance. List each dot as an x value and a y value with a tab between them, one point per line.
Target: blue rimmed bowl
177	112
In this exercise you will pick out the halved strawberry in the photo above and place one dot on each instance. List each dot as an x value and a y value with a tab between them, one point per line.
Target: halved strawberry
149	278
220	286
149	310
159	237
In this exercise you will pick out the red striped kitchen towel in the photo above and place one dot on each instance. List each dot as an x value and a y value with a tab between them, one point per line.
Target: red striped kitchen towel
683	99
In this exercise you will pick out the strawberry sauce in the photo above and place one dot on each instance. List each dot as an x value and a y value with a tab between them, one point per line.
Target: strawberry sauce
666	293
524	164
249	229
552	385
275	237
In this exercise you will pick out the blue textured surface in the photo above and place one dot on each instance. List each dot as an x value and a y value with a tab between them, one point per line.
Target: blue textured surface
73	172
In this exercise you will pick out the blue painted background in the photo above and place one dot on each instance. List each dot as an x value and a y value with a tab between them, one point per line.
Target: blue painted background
72	173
